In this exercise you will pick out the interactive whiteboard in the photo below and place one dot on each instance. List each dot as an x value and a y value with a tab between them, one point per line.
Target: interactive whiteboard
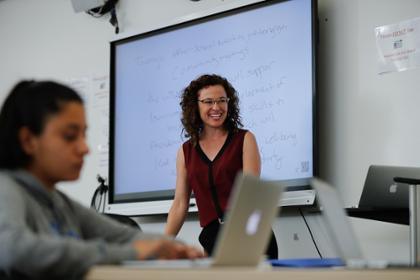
265	50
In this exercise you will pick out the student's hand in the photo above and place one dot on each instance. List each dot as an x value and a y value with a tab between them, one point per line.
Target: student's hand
165	249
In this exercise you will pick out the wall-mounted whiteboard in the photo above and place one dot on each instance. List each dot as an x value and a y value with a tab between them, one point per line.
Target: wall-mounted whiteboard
265	50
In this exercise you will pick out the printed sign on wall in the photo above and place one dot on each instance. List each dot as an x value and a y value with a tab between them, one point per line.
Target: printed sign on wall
398	46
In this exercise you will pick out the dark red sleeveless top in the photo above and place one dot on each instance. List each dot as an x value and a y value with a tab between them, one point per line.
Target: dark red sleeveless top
221	172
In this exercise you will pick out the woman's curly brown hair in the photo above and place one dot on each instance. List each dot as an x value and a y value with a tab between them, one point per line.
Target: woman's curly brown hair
191	120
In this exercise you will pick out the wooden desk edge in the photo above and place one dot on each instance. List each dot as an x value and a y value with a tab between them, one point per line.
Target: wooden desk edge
128	273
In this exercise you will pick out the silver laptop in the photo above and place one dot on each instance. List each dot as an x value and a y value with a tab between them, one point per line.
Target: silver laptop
341	232
337	223
245	234
380	190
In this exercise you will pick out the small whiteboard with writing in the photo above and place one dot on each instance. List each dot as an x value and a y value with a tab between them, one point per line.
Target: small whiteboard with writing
265	51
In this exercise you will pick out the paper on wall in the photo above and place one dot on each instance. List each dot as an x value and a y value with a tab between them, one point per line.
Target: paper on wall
95	92
398	46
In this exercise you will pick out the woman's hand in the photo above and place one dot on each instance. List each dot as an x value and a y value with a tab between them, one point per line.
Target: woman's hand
165	249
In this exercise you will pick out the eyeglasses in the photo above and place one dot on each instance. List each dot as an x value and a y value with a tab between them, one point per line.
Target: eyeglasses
210	102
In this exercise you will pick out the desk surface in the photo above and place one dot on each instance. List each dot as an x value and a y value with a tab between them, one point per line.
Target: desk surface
126	273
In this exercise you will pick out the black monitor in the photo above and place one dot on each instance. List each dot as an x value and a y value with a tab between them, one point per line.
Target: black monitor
267	51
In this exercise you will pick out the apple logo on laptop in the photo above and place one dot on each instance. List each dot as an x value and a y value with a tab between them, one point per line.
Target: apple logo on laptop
253	222
393	188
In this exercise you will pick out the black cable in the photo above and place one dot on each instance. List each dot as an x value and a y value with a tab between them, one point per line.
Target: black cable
310	232
114	20
94	197
100	191
104	204
100	202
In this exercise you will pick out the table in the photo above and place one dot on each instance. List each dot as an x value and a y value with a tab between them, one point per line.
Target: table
127	273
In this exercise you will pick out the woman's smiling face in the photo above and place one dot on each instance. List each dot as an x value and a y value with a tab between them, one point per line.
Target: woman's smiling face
213	106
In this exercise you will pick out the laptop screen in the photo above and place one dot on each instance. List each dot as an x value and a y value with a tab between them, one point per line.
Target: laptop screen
380	190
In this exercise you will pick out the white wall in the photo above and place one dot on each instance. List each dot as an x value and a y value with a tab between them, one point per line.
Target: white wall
365	118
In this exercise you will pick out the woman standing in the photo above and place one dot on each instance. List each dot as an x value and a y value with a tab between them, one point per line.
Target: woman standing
208	162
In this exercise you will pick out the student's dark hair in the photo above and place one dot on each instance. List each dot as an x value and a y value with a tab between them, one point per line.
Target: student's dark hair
190	114
29	104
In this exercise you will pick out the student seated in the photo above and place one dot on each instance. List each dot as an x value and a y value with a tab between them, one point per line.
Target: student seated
43	233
